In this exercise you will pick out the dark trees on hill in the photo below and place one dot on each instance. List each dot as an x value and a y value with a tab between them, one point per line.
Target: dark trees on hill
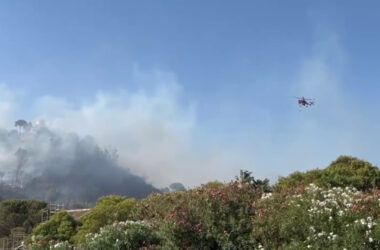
24	214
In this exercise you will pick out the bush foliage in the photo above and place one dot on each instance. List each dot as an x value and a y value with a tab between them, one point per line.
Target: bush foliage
61	227
19	214
123	235
107	210
334	208
343	172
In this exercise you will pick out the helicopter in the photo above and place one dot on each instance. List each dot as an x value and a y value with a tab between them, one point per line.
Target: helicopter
304	102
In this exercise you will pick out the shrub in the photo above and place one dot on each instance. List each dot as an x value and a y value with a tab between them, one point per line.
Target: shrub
214	216
319	218
108	209
56	245
61	227
19	213
345	171
129	235
242	214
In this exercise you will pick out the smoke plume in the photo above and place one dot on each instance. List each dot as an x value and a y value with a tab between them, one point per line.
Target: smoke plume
41	163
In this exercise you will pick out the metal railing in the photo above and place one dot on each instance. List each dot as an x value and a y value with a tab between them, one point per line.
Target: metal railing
51	210
14	241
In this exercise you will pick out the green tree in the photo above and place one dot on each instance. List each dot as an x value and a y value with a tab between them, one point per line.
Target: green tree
19	213
61	227
108	209
177	186
246	178
344	171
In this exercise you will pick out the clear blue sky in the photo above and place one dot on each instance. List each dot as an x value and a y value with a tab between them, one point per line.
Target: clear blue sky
238	62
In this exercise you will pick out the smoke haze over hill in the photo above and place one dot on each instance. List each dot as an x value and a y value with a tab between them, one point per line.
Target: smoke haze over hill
38	162
155	130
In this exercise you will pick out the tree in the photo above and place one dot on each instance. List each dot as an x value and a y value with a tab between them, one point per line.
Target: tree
19	213
22	124
61	227
107	210
344	171
177	186
246	178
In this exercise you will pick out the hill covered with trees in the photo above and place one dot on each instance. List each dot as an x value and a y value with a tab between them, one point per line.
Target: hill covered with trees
45	164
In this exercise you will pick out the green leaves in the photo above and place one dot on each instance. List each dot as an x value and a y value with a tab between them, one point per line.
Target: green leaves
213	216
333	208
61	227
129	235
108	209
345	171
19	213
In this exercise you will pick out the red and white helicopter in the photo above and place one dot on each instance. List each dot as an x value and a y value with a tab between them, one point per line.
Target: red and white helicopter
303	102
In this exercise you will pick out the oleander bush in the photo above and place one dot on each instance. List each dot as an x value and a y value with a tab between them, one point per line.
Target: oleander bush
334	208
128	235
319	218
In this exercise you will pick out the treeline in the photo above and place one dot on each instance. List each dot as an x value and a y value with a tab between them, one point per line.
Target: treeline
333	208
67	169
23	215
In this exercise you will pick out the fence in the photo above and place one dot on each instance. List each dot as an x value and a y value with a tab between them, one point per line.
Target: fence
14	241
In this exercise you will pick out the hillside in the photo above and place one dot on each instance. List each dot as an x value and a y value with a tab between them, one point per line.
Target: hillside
44	164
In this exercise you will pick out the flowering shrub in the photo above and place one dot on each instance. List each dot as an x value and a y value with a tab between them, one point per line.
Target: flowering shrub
123	235
65	245
319	219
214	216
341	210
56	245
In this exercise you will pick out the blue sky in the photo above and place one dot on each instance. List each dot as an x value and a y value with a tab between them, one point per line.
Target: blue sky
215	78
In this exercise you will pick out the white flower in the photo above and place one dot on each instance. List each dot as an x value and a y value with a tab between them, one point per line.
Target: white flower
370	239
266	196
260	247
321	234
